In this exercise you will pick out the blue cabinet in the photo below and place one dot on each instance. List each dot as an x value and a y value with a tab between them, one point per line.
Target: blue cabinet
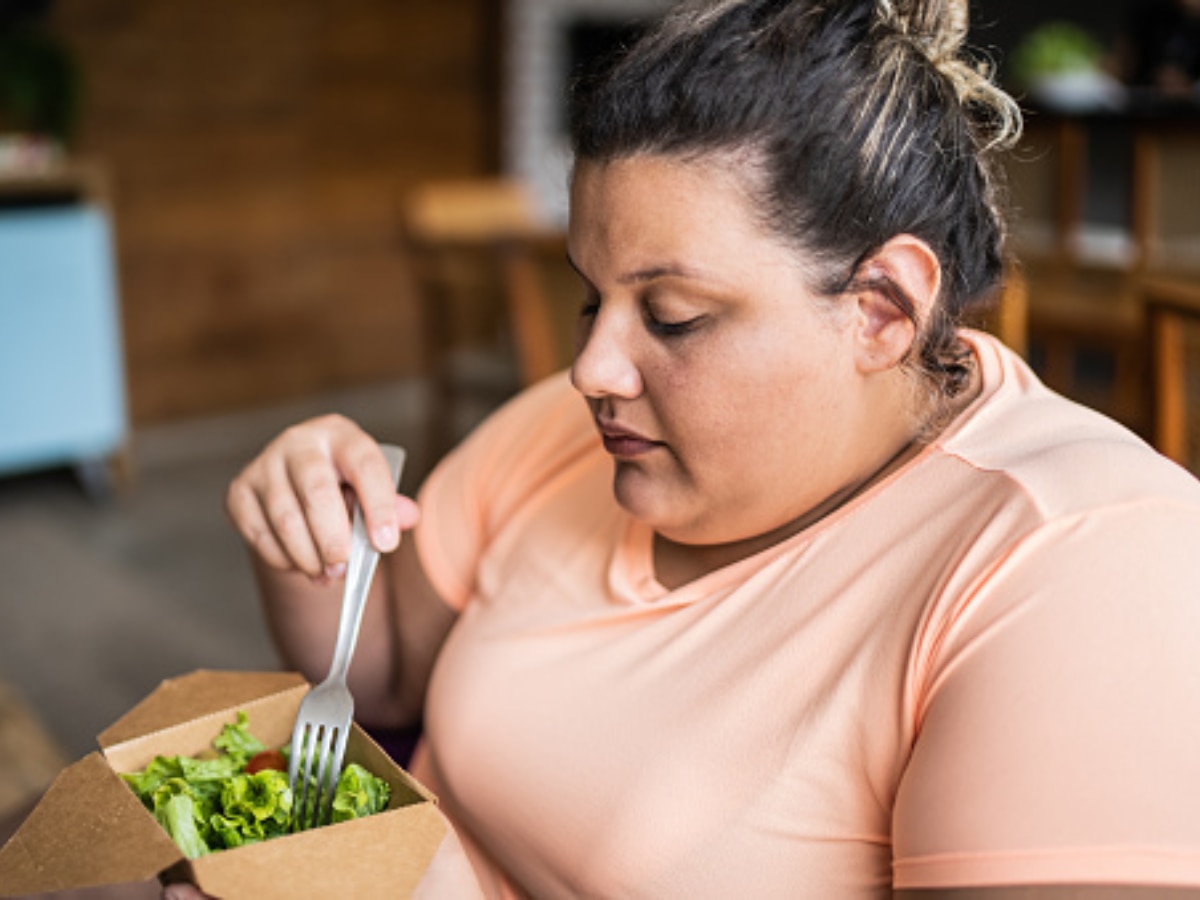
62	381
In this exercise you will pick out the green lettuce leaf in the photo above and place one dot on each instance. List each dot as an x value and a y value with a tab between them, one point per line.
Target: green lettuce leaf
234	831
262	801
209	804
208	777
236	740
162	803
358	794
145	782
177	815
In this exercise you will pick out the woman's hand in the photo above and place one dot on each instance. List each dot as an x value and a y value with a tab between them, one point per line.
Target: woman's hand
184	892
290	505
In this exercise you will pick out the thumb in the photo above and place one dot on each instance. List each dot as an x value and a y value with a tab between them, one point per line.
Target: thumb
408	511
387	526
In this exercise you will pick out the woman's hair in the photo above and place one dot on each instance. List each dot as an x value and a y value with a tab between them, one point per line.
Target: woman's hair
859	119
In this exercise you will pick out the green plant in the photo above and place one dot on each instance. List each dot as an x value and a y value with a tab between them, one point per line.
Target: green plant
39	83
1055	48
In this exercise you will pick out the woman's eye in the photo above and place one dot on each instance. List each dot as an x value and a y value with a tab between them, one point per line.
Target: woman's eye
591	304
673	329
666	316
584	323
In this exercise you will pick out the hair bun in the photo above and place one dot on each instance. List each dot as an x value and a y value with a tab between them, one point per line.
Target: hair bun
938	29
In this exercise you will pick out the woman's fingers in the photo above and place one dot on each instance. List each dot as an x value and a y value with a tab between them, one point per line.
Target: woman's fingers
242	505
314	482
365	469
289	503
288	517
266	512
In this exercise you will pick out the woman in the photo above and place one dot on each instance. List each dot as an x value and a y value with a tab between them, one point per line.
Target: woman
815	594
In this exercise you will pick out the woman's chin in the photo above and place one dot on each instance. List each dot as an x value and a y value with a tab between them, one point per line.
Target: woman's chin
672	514
647	498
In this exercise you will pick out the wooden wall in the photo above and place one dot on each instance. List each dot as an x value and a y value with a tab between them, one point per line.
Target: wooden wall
259	151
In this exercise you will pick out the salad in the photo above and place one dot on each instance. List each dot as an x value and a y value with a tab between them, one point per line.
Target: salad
239	794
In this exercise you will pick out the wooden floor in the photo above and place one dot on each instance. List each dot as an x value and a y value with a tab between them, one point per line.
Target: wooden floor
29	756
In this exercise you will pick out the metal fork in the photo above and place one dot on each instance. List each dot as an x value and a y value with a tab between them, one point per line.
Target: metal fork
323	722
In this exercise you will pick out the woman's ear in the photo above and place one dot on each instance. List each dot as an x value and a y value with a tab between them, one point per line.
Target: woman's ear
904	271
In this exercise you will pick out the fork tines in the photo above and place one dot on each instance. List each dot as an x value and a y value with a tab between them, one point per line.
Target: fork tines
314	778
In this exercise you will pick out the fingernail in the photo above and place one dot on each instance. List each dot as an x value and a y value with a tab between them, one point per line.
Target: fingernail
385	537
337	570
176	892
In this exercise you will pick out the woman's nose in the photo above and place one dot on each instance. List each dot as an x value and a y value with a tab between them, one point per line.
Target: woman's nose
604	360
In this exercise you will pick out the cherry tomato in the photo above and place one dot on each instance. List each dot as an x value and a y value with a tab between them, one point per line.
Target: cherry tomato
268	759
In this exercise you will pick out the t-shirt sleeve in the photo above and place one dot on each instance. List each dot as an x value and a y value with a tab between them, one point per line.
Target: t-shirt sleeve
1059	728
480	484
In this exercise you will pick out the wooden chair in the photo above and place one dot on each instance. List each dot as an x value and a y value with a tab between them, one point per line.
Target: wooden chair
1081	309
1008	316
1173	333
1082	314
483	262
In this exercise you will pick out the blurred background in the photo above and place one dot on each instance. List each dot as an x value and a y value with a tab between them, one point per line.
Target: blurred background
219	217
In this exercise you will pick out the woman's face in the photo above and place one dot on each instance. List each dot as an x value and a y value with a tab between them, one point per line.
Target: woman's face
727	394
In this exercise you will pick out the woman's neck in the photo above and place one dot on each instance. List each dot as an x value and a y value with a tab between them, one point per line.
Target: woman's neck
677	564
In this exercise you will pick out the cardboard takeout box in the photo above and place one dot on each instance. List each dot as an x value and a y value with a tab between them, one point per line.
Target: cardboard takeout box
90	829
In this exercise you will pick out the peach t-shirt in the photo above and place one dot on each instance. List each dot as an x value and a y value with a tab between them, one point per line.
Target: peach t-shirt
983	670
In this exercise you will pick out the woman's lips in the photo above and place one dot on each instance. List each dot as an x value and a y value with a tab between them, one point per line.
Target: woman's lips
622	442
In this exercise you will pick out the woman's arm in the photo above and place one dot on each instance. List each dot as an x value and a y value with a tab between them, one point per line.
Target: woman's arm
1059	719
289	505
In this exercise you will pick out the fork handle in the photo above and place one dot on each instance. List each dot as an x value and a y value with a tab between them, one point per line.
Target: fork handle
359	571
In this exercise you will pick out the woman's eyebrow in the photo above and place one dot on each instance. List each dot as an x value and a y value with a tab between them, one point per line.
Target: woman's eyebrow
669	270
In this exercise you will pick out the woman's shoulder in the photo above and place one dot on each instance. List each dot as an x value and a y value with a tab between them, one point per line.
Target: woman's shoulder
1065	457
521	446
515	456
548	418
